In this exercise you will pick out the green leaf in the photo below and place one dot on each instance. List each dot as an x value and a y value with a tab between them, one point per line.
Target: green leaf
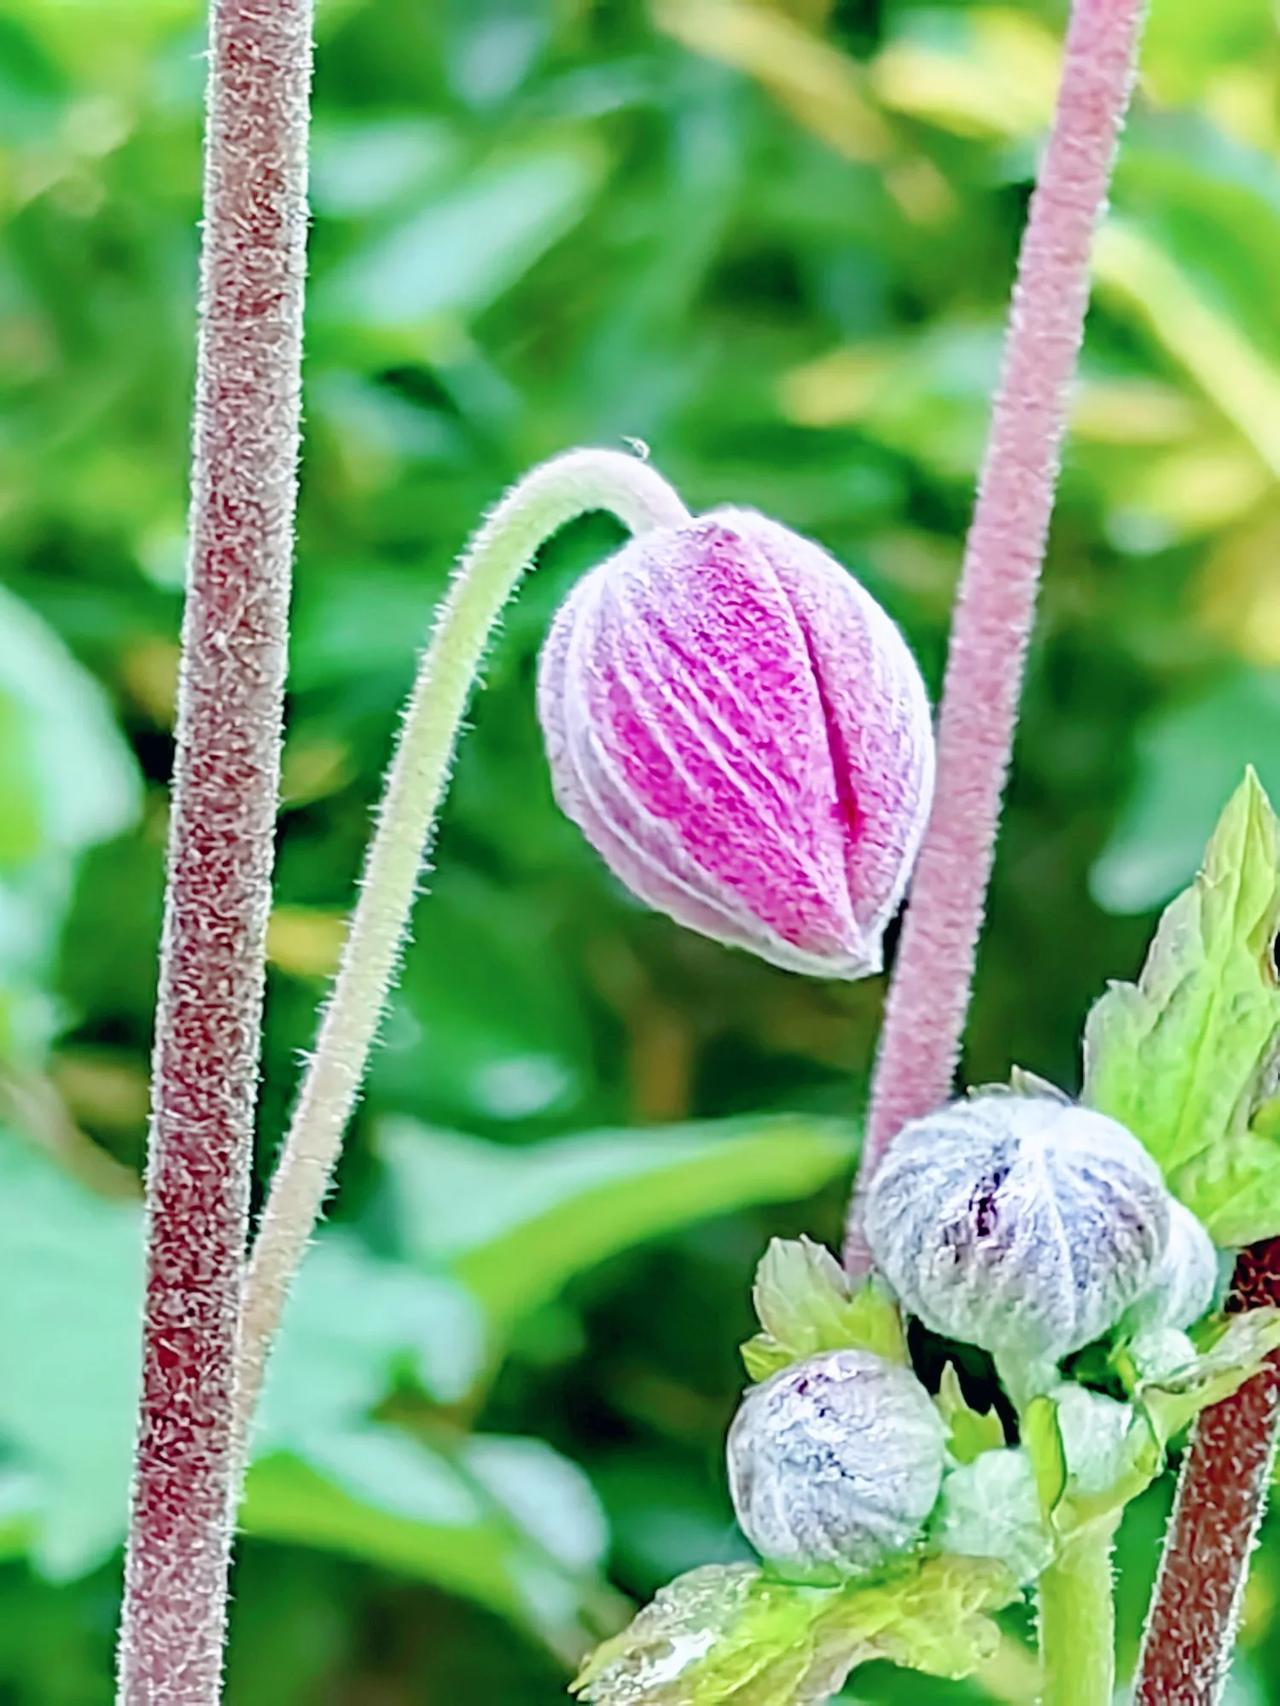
1234	1355
58	736
454	1053
508	1523
70	1289
67	780
72	1261
970	1432
726	1635
1189	757
470	241
351	1318
515	1224
805	1304
1184	1057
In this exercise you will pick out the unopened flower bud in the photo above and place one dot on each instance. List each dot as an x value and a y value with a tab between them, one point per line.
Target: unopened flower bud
741	732
1022	1224
835	1464
1183	1285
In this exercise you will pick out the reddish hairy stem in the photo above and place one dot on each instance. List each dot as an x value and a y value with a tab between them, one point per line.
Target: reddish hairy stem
230	698
929	995
1222	1492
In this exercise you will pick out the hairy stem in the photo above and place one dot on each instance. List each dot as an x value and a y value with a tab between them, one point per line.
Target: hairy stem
929	995
230	696
1222	1492
1077	1622
569	486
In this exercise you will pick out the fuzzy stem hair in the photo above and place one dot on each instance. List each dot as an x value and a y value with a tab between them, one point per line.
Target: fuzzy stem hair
1222	1494
487	575
929	995
222	827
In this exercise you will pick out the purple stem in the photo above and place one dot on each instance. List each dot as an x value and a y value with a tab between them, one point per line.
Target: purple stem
230	699
929	994
1222	1493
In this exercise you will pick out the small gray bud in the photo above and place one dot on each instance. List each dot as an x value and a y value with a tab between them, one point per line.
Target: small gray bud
834	1464
990	1508
1022	1224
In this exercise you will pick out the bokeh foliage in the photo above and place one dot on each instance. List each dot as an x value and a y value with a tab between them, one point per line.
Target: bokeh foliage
772	239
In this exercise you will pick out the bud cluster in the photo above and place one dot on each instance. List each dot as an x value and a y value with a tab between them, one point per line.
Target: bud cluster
1019	1223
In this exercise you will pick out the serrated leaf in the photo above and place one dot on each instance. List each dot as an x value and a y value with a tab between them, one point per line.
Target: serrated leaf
1234	1356
727	1635
805	1304
1186	1056
970	1432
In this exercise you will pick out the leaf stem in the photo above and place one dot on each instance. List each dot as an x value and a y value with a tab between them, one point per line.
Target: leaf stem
1077	1621
222	828
547	498
1222	1493
929	994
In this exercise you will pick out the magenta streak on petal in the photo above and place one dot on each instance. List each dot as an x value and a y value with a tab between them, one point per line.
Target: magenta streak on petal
770	645
680	592
874	697
848	816
680	788
851	817
704	715
722	745
743	735
695	900
642	847
698	729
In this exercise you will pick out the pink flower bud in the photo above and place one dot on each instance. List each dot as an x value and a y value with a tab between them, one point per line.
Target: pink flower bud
741	733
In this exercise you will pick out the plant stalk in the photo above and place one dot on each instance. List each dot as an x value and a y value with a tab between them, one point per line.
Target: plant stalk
222	826
1222	1494
929	994
540	504
1077	1622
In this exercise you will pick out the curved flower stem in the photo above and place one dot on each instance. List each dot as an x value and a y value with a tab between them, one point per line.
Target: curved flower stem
929	995
1222	1493
1077	1622
568	486
221	842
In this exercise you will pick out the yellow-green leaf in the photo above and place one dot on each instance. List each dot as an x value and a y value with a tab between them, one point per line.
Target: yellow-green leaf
970	1432
1186	1056
805	1305
727	1635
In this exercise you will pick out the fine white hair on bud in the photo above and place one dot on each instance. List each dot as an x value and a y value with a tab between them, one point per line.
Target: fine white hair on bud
835	1464
1022	1224
1183	1285
742	734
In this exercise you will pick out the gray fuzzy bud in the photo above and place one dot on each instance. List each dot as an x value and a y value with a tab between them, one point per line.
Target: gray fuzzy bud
1183	1285
1022	1224
835	1464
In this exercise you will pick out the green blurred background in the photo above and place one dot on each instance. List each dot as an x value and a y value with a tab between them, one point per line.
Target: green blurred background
774	241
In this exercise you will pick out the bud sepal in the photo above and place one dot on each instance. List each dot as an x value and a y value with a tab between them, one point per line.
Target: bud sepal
806	1304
